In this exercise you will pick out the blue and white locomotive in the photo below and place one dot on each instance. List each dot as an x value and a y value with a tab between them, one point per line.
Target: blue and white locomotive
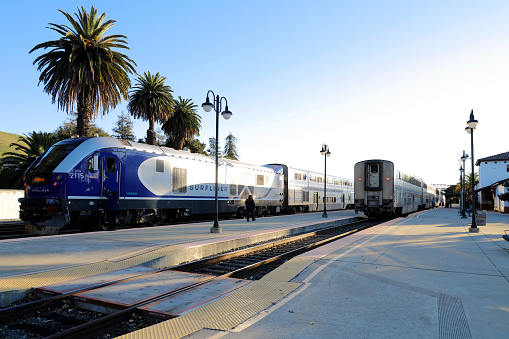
379	189
65	185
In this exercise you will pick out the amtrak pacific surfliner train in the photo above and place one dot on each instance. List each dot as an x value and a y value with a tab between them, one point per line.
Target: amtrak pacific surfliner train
380	190
65	185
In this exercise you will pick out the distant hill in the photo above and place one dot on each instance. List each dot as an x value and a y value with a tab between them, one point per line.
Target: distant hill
5	140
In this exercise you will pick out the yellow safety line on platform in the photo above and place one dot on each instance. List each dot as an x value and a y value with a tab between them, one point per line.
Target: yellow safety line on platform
232	310
24	282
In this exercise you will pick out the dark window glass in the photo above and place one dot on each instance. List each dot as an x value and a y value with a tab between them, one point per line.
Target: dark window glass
43	166
110	165
159	166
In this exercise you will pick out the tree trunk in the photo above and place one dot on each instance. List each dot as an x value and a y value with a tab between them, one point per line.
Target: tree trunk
178	141
84	114
151	134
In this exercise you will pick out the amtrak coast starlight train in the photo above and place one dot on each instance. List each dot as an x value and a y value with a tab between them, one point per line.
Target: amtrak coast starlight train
379	189
65	185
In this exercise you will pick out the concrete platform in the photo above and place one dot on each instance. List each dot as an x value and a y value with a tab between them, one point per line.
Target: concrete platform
34	262
425	276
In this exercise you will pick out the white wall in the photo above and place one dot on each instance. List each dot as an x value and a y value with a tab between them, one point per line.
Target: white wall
492	171
500	205
9	205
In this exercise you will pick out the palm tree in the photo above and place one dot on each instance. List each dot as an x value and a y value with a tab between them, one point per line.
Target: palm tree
151	100
468	181
83	68
15	164
183	124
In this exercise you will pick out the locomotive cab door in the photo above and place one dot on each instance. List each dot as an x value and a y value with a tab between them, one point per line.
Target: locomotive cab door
111	171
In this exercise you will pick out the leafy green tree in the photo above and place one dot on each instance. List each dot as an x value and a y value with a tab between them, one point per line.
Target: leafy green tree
124	127
504	196
451	189
212	147
230	147
195	146
82	67
151	100
183	124
14	164
468	181
68	130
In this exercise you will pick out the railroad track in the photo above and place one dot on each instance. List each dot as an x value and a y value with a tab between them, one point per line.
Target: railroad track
51	318
14	229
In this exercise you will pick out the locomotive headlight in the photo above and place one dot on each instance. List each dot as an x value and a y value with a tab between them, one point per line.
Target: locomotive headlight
387	178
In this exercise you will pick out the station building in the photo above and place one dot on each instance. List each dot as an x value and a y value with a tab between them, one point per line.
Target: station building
493	181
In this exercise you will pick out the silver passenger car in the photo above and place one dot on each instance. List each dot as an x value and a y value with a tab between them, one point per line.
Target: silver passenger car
379	189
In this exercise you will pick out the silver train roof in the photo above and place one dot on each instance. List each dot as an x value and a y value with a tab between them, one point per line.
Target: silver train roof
91	145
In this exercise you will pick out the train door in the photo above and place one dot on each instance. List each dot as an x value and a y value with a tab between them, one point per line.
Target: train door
373	176
110	168
315	201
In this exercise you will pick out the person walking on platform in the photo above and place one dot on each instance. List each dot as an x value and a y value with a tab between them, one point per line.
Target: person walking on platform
250	208
112	208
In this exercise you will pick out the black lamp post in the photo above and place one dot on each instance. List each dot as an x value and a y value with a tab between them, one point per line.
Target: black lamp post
207	107
472	123
462	210
325	152
462	183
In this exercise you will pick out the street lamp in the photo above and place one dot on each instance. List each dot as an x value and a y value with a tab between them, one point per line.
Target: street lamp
325	152
462	211
472	123
462	192
207	107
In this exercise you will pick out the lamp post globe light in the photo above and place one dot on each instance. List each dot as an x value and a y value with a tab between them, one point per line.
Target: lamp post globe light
462	184
325	152
472	124
217	106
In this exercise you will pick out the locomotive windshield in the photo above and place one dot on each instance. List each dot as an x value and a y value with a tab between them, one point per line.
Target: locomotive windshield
41	169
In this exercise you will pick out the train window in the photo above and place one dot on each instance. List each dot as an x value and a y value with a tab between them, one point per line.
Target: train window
93	163
305	196
507	168
298	176
233	189
159	166
110	165
373	168
179	180
260	180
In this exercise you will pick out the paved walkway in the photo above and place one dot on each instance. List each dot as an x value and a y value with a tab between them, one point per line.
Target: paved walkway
426	277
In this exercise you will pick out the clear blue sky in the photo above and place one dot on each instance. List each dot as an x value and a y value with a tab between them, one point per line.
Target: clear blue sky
372	79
